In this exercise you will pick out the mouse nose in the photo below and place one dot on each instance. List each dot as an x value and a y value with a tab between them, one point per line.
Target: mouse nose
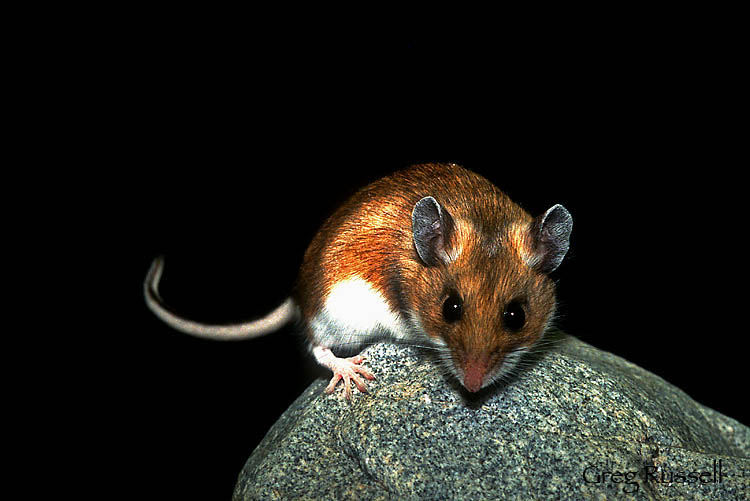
474	372
473	381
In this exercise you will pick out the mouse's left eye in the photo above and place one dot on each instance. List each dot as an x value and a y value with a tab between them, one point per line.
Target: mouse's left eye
453	308
514	317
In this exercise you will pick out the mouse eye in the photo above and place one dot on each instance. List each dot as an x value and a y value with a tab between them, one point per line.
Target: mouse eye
514	318
453	308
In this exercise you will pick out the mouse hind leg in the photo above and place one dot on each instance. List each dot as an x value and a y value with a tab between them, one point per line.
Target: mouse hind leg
354	313
344	369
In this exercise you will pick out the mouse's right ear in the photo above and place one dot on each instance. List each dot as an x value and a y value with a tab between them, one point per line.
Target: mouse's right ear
431	226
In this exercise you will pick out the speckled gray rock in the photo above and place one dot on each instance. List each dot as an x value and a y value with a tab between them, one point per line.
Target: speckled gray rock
580	423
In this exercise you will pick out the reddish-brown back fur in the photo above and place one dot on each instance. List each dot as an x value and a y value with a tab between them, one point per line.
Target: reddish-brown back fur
371	236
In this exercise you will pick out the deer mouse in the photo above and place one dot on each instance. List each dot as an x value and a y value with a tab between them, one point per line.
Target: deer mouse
433	255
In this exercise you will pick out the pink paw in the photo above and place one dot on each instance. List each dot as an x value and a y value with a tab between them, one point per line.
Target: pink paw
349	369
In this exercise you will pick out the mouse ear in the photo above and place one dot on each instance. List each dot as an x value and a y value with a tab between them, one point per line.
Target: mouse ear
431	226
551	232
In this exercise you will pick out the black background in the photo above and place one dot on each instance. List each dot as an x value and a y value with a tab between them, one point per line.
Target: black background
225	151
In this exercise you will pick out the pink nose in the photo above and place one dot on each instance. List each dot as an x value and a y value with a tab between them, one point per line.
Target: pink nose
473	377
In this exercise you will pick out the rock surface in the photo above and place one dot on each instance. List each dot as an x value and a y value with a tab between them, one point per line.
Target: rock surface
580	423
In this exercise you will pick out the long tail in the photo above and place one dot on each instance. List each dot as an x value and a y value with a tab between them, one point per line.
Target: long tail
279	317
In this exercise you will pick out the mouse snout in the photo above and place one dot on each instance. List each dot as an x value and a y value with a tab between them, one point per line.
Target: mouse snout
475	371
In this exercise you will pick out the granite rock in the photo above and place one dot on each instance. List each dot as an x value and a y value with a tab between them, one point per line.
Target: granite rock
578	423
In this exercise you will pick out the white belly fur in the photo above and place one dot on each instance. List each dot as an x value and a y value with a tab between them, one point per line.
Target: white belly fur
354	313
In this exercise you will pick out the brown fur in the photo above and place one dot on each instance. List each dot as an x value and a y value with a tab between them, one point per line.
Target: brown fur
371	236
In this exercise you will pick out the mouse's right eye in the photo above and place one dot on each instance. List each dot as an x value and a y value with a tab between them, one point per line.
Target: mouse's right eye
453	308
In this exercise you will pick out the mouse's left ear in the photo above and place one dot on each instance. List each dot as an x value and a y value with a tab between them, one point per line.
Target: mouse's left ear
551	237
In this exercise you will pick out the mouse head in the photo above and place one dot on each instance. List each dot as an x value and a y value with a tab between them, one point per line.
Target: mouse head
481	281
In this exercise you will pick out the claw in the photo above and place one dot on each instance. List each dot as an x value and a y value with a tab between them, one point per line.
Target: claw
346	369
332	385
